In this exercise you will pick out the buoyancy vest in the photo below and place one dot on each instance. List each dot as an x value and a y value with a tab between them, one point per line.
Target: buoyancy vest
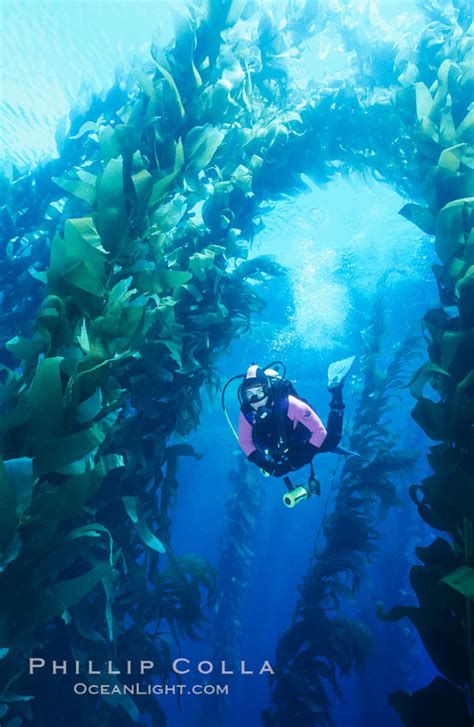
273	432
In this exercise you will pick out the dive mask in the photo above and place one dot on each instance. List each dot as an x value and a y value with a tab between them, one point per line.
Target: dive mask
254	394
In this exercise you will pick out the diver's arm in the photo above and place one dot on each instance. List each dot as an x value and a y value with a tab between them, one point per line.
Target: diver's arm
301	413
249	448
245	436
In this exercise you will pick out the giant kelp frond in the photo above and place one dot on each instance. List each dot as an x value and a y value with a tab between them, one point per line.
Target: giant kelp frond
234	569
436	103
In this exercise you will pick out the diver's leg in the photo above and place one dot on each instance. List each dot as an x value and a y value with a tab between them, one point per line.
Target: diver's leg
335	420
337	373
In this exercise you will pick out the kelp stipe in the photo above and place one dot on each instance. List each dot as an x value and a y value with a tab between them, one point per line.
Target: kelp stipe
322	644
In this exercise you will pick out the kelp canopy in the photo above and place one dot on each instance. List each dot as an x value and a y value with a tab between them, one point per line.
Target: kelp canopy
137	237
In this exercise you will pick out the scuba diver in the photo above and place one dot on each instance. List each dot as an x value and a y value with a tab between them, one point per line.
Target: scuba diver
280	432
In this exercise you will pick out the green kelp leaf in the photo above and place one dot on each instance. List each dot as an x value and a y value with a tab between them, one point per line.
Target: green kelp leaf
163	184
72	495
86	177
448	73
424	101
39	275
190	288
409	75
128	138
26	349
420	216
79	466
143	182
63	595
118	297
109	592
79	258
452	344
83	625
212	317
77	188
431	373
19	473
58	452
450	159
170	279
462	580
112	221
199	262
447	129
450	231
45	399
89	127
175	348
174	112
83	276
167	216
200	145
433	419
465	293
93	530
109	144
83	239
83	338
89	408
465	130
8	516
132	507
144	80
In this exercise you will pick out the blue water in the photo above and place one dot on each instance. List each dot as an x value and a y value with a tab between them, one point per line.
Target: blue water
305	233
337	242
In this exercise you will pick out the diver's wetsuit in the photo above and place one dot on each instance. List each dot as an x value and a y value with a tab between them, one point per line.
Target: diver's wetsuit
289	424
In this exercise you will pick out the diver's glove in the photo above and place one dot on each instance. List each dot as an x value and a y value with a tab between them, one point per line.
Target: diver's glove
256	457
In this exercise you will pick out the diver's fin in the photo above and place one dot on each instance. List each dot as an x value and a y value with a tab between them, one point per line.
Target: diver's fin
338	371
347	452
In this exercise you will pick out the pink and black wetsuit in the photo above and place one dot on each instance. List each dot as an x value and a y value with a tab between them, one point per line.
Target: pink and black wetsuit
287	433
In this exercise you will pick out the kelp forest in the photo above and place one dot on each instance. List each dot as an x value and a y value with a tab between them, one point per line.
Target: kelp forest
126	275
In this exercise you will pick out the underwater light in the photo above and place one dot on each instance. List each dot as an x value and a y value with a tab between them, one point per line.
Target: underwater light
294	497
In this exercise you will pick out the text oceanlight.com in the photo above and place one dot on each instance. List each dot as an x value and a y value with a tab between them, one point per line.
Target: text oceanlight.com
137	690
